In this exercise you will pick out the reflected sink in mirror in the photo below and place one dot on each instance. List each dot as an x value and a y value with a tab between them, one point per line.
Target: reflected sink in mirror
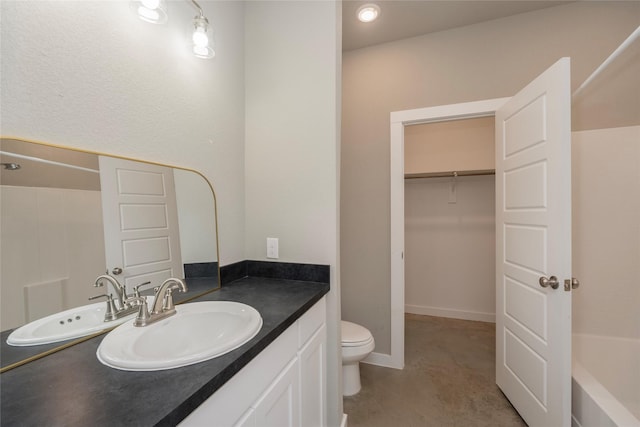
199	331
65	325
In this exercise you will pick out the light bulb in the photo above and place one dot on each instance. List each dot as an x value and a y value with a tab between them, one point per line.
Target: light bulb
201	44
368	12
368	15
200	38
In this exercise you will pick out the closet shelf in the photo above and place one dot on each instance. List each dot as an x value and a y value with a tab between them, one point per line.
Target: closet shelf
450	174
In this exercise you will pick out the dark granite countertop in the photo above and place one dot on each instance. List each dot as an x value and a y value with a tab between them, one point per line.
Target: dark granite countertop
72	388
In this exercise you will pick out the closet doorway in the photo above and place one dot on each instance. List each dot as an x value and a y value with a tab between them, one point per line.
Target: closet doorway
399	121
450	219
533	240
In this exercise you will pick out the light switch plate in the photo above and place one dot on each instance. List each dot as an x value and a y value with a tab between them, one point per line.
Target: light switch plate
272	247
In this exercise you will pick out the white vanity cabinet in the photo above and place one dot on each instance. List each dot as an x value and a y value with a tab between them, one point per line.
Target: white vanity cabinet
284	386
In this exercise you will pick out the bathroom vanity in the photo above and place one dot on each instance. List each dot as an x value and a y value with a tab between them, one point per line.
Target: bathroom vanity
284	383
277	377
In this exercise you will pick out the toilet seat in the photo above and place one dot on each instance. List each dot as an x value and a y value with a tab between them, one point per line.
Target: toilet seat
354	335
356	344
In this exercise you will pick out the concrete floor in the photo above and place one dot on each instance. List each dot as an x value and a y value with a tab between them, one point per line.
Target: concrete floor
448	380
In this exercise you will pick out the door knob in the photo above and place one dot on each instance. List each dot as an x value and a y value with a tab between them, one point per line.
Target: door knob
551	281
117	271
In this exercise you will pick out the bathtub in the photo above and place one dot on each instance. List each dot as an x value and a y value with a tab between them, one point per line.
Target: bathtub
605	386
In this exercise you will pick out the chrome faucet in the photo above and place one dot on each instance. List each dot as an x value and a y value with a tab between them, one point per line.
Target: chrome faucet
121	291
162	304
120	305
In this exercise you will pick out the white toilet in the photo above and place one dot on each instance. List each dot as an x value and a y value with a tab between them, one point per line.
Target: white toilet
357	343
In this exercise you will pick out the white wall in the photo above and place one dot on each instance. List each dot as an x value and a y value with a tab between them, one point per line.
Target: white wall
52	239
606	231
93	76
450	248
196	207
292	68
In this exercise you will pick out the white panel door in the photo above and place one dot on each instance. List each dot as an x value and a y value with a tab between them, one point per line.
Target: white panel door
140	221
533	241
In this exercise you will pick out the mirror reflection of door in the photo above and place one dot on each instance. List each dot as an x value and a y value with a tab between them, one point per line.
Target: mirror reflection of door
142	242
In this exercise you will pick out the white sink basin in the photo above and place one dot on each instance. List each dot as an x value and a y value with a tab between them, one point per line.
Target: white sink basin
74	323
199	331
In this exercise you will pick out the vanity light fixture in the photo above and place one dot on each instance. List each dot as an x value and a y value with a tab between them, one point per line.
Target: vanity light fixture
201	43
368	12
155	11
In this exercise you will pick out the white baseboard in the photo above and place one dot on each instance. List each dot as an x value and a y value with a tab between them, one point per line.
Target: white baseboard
344	421
451	313
379	359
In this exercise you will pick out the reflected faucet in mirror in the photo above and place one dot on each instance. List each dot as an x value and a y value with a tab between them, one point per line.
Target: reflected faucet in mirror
86	320
121	292
123	304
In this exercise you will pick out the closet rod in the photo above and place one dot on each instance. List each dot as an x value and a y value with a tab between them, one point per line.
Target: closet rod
451	174
625	44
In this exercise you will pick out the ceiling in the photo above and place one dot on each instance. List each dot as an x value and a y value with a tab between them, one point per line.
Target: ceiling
401	19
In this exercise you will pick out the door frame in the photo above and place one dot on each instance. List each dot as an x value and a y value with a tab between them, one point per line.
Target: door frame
400	119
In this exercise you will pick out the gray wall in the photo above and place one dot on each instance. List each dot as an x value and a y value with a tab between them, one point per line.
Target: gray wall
488	60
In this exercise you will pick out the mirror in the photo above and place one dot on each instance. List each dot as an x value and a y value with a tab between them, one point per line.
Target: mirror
68	216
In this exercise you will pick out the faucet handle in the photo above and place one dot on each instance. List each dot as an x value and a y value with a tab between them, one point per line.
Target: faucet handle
143	312
167	302
136	289
99	296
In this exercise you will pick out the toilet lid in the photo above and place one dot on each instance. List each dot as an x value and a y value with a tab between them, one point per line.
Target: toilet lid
353	334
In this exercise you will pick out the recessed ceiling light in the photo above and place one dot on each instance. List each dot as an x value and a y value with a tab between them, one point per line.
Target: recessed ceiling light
368	12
